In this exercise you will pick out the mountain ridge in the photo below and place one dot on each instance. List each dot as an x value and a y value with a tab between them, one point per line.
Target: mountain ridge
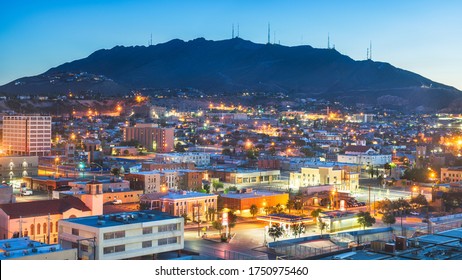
237	65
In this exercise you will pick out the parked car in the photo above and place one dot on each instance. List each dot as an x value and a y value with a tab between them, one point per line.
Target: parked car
117	201
27	192
414	213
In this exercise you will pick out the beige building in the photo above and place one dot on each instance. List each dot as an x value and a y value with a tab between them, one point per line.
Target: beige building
118	236
316	175
39	219
153	138
451	174
27	135
193	204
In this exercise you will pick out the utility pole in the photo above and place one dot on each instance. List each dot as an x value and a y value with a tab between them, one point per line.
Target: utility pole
48	228
370	208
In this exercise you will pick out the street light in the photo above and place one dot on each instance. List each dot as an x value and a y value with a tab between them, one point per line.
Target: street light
57	166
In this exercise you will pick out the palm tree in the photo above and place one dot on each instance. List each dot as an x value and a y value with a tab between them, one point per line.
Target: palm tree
218	226
211	213
322	226
253	210
275	231
290	204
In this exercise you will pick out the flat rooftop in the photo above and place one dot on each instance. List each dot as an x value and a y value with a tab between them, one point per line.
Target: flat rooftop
253	194
23	246
117	219
184	195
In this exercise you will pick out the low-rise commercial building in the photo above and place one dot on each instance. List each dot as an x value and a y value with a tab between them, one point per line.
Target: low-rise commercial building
128	235
24	248
245	198
194	204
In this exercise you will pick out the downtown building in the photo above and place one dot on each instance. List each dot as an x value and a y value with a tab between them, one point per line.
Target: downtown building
153	138
128	235
27	135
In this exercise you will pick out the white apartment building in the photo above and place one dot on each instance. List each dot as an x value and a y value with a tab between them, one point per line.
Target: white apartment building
199	159
315	176
364	159
123	235
27	135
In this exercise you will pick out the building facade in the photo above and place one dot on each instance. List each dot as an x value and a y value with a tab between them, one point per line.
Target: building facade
199	159
194	204
119	236
17	167
154	139
27	135
451	174
39	219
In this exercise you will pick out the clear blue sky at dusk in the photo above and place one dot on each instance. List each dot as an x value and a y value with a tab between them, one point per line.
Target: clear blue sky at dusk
417	35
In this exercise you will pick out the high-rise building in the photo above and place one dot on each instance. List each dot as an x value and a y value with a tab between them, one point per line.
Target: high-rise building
153	138
27	135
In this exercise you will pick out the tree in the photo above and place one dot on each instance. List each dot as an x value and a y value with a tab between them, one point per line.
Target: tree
186	218
307	152
179	148
126	153
232	219
217	185
388	218
115	171
365	219
218	226
420	200
226	152
207	188
211	214
322	225
267	209
298	229
275	231
253	210
290	204
278	209
315	213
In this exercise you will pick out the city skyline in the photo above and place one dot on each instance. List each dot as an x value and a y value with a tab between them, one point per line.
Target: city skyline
416	36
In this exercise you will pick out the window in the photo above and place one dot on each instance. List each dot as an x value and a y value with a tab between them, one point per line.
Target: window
147	244
114	249
165	241
113	235
38	229
83	248
147	230
74	231
32	230
168	227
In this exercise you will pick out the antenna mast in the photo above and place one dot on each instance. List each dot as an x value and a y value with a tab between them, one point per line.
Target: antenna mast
328	41
232	33
269	32
370	50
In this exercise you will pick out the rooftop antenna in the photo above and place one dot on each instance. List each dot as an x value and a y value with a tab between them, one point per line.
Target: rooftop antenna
232	34
367	54
238	30
328	41
269	32
370	50
274	37
150	41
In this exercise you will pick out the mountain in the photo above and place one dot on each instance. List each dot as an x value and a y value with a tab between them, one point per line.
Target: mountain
237	65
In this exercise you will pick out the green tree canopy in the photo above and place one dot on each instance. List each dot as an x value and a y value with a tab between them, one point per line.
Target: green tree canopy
365	219
275	231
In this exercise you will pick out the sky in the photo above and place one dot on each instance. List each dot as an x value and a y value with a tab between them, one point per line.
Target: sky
423	36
